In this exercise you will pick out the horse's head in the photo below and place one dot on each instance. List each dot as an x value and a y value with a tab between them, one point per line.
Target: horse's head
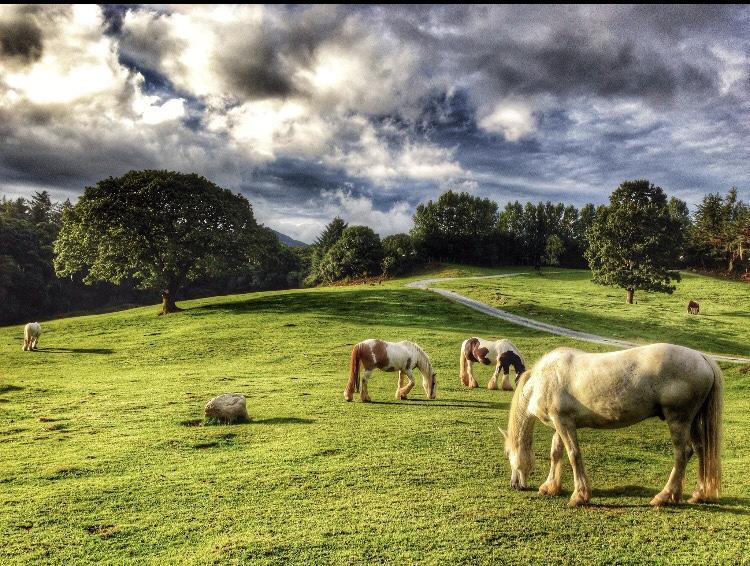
520	436
429	382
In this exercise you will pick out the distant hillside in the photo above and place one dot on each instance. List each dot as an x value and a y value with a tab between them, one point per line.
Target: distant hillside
284	239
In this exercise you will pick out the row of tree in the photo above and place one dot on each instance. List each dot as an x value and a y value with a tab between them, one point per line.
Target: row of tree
183	235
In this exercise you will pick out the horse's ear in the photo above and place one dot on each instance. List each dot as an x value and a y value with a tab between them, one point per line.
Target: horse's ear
505	434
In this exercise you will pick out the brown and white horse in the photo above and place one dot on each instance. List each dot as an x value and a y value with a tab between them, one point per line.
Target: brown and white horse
389	356
501	353
569	389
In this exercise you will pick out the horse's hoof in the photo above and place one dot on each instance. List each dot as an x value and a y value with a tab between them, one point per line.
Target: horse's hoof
366	400
507	388
696	498
550	489
473	385
577	501
491	386
661	500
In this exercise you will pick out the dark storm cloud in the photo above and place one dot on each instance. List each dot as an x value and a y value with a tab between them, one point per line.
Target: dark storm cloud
21	39
601	94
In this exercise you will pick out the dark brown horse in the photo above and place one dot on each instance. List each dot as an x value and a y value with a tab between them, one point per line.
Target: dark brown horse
693	307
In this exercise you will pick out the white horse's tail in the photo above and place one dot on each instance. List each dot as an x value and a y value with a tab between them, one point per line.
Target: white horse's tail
463	364
707	428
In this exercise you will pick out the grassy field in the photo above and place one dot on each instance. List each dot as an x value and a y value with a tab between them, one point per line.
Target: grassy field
101	461
568	298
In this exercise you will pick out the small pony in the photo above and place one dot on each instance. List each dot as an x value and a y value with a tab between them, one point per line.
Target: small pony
389	356
693	307
502	353
569	389
31	333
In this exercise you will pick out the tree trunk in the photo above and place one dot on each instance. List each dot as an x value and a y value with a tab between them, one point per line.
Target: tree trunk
630	296
167	302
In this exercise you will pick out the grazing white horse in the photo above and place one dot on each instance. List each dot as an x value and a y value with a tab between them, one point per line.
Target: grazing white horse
569	389
501	353
31	333
401	356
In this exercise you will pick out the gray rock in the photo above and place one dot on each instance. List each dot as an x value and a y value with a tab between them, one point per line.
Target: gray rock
227	408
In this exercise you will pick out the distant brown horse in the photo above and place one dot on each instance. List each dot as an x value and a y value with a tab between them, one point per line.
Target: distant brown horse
693	307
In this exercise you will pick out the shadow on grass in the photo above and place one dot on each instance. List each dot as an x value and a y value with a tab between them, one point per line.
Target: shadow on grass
366	306
75	351
9	388
454	403
282	420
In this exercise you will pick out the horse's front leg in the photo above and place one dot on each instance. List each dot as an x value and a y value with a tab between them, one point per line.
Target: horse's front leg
553	485
408	387
581	489
399	388
492	383
683	450
363	396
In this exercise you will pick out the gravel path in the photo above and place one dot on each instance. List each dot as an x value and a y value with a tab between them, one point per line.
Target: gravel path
531	323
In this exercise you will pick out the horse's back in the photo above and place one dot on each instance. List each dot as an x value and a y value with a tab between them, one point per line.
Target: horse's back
623	387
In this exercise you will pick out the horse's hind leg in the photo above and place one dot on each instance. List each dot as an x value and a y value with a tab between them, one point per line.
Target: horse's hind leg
472	381
553	485
363	396
683	450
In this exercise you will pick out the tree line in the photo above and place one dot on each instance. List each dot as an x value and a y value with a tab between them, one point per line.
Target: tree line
183	236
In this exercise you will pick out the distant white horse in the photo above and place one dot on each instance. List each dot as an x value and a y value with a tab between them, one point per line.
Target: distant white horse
569	389
501	353
389	356
31	333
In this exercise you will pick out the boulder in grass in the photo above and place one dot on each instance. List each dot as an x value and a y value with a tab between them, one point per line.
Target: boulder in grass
228	408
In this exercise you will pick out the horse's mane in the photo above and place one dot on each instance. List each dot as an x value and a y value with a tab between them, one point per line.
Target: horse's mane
520	427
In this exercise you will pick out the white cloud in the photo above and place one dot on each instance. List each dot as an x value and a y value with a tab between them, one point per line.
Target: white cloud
511	119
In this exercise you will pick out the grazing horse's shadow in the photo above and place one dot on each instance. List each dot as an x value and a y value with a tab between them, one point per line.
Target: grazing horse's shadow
282	420
455	403
75	351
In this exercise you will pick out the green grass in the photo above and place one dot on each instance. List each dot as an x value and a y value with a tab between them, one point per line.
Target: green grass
568	298
100	460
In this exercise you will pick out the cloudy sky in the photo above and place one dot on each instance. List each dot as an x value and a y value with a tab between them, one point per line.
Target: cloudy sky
366	111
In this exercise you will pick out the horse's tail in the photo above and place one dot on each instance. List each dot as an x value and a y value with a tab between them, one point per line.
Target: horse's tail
463	361
707	432
353	383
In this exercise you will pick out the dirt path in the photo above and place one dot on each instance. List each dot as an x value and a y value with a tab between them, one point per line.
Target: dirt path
535	324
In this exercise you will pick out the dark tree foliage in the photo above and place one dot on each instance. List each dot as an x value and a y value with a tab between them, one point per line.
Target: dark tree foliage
457	227
162	229
632	241
357	253
720	234
331	234
399	254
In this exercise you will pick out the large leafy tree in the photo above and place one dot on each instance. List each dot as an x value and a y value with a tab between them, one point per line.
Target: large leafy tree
456	227
632	241
357	253
159	228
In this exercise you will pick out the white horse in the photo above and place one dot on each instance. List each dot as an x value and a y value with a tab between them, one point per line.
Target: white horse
569	389
389	356
501	353
31	333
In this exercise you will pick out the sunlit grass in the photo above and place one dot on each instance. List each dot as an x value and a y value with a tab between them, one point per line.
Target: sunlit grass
101	461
